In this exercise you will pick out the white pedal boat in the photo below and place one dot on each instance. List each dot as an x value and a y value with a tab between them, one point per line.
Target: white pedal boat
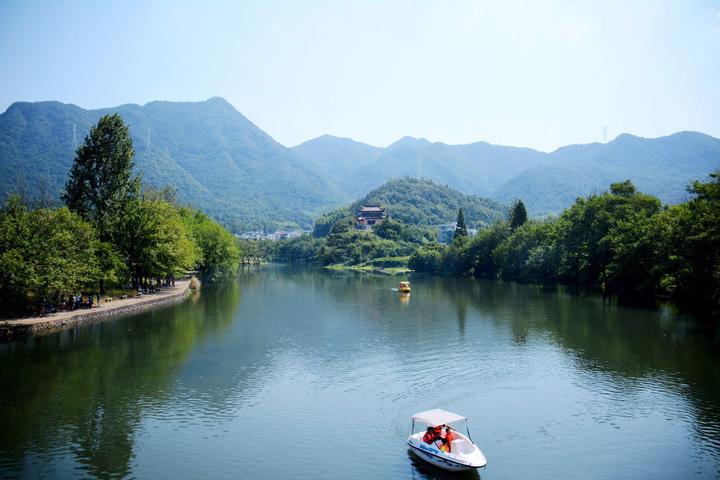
463	454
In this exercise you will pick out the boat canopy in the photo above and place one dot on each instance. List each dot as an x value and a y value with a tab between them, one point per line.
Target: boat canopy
436	417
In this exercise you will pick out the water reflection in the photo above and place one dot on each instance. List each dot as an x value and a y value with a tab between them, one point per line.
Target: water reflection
86	389
553	384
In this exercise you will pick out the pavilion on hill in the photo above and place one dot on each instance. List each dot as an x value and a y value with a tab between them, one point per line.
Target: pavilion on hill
370	215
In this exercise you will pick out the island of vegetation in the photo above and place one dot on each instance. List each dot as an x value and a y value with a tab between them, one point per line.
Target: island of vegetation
113	235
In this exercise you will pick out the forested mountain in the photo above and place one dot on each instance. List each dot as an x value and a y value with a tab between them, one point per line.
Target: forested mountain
217	159
223	164
660	166
335	157
423	202
547	182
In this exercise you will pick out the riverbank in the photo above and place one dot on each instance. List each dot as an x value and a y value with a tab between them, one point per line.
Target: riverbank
22	327
369	269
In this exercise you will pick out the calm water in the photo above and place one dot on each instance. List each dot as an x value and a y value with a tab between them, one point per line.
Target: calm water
299	373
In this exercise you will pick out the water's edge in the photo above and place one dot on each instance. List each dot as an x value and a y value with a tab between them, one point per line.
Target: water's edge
13	329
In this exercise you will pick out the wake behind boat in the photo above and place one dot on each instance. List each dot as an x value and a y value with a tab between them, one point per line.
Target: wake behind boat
442	445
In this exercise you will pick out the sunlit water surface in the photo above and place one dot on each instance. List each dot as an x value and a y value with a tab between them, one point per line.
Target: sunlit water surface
301	373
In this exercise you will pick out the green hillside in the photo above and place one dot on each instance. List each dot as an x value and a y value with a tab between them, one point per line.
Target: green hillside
335	157
547	182
661	166
216	158
223	164
423	202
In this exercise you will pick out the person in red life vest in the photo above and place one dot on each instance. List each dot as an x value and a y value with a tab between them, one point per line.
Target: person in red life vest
449	437
429	436
441	443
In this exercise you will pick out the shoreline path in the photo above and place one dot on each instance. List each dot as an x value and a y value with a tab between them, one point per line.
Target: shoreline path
21	327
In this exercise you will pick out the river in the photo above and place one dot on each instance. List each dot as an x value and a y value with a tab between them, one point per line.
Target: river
302	373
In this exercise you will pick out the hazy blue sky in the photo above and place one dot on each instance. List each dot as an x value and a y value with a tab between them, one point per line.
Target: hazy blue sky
538	74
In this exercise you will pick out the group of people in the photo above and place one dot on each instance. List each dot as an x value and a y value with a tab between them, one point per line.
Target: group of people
441	436
77	301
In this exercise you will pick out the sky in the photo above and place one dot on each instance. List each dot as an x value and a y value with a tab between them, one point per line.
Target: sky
538	74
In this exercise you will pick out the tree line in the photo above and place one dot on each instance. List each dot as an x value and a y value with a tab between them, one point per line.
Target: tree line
111	231
622	241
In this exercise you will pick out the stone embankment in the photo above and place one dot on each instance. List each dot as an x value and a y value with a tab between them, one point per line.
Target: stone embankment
21	327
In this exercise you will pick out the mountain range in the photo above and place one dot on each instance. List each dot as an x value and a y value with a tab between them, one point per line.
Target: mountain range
546	182
222	163
216	158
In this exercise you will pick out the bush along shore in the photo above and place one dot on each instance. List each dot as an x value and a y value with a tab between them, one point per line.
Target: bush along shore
112	236
621	241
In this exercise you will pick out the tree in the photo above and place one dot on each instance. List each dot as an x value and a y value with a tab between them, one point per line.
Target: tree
155	240
518	215
45	253
102	186
218	253
460	228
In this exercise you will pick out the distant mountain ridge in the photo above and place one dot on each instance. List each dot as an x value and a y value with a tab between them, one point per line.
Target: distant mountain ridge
546	182
222	163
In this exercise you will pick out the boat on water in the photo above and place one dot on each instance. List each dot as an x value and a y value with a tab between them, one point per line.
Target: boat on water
404	287
460	453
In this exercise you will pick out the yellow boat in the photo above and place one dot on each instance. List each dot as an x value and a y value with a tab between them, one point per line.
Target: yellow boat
404	287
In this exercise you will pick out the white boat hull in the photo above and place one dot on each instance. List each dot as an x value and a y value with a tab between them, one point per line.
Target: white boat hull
469	460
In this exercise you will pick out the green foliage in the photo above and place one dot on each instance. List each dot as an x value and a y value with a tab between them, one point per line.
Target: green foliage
518	215
101	186
690	253
428	259
217	254
528	254
422	202
44	254
397	231
124	235
154	240
325	222
460	227
304	249
349	246
219	161
620	241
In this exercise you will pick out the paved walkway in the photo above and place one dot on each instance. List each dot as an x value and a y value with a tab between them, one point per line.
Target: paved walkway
10	329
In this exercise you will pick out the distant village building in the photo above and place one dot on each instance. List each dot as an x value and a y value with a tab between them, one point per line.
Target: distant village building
277	235
446	232
369	216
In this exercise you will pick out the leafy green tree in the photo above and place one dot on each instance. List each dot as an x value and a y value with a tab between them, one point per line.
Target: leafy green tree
218	255
325	222
428	259
583	228
44	254
155	242
480	251
102	186
691	253
518	215
528	254
460	228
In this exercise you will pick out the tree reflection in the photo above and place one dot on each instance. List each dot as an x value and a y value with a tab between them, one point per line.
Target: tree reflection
87	388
